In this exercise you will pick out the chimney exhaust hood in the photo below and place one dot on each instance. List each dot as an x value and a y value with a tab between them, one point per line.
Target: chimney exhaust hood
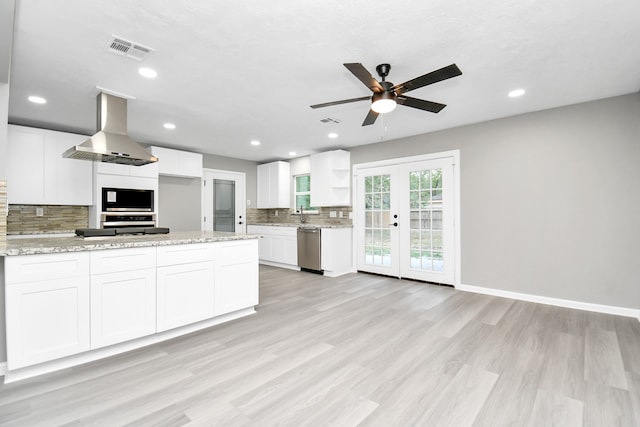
111	144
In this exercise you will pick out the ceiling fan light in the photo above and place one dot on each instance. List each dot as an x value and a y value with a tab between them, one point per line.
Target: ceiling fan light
384	102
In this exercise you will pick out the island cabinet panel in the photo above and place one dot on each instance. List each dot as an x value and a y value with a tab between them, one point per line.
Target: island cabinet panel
46	319
236	276
185	282
185	294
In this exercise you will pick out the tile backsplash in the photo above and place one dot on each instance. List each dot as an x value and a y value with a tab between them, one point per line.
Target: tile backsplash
284	216
23	219
3	208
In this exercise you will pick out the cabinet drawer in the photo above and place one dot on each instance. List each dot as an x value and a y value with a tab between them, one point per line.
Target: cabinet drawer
236	252
114	260
31	268
183	254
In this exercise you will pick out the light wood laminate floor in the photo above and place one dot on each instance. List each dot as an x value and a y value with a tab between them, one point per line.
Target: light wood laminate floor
359	350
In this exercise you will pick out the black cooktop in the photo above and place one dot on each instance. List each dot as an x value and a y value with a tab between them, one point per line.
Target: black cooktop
101	232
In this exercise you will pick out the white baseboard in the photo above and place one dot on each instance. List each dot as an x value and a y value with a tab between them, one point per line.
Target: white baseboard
587	306
281	265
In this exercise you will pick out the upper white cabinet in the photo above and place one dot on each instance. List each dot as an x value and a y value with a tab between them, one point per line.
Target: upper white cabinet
178	163
37	174
146	171
330	178
274	185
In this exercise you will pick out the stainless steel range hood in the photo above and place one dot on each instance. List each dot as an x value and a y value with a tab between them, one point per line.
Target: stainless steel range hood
111	144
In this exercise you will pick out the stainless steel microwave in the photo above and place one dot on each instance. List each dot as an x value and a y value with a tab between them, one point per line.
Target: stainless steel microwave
127	200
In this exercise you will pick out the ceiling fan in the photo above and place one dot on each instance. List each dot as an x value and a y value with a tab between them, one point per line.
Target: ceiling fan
386	95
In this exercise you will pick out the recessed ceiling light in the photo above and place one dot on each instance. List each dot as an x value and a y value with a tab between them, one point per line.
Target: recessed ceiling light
516	93
254	142
169	126
37	99
292	153
148	73
333	135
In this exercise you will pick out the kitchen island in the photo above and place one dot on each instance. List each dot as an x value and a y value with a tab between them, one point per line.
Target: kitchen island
70	300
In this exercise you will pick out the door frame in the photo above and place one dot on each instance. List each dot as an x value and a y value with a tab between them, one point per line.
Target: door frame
241	190
452	154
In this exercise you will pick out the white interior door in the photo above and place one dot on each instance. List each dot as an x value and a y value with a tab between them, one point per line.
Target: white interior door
405	220
223	201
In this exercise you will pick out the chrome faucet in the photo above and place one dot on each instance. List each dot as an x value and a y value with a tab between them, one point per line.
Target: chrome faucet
302	218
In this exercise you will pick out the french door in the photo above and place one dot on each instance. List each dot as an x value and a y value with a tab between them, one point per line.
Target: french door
405	220
223	201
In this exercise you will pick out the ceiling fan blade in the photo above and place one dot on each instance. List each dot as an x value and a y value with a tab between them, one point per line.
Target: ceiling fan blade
420	104
358	70
370	119
429	78
344	101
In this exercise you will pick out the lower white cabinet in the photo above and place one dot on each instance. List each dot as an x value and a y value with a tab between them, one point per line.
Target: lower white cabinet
278	244
236	273
46	320
123	306
60	305
185	294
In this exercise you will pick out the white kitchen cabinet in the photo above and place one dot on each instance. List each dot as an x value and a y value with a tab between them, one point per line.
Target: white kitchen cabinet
37	173
185	285
278	245
178	163
330	178
274	185
236	276
335	251
123	306
123	295
146	171
46	317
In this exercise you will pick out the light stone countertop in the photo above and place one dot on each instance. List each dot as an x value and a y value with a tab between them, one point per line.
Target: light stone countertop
51	245
297	224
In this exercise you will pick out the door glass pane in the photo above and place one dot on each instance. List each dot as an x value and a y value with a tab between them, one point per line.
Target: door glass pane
425	213
377	204
224	205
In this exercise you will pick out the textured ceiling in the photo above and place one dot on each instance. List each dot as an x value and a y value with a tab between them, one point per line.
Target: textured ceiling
233	71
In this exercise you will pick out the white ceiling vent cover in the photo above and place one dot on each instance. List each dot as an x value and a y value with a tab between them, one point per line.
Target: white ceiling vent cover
127	48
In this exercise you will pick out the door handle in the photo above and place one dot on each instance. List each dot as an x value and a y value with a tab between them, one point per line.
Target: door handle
240	223
395	224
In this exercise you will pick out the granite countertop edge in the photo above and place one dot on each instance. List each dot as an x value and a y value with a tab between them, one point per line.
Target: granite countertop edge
54	245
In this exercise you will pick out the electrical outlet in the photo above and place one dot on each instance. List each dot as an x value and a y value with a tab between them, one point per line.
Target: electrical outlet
39	212
350	215
248	202
332	214
276	213
340	214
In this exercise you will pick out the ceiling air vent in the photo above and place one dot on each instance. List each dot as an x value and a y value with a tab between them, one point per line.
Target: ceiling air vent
123	47
330	120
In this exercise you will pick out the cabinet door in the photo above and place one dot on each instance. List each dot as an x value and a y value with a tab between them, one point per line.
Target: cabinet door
236	282
290	251
264	189
46	320
112	168
123	306
264	248
168	160
190	164
68	181
185	294
25	168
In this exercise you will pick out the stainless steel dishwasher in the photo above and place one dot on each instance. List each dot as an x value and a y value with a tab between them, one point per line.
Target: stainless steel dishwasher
309	249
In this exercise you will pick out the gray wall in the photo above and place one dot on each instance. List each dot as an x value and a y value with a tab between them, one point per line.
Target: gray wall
236	165
179	203
549	200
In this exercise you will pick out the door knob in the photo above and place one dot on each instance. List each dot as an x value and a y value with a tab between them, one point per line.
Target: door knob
395	224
